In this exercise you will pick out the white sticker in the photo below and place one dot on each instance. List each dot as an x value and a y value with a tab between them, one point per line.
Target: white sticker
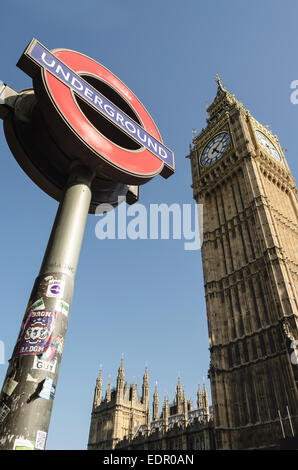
4	410
9	386
62	306
55	288
46	389
23	444
40	441
41	364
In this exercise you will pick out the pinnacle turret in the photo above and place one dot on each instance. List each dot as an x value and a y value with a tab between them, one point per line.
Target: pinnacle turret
145	388
108	392
199	398
205	402
120	380
179	400
155	404
134	392
98	390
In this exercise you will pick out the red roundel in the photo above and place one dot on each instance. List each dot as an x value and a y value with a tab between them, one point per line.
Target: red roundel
133	165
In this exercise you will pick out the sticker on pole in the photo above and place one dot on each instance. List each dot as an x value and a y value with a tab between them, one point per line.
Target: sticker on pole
4	410
9	386
41	364
37	333
55	288
23	444
40	441
62	307
46	389
38	305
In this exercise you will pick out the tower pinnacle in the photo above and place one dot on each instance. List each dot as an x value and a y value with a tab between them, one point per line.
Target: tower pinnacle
145	388
98	389
218	81
155	404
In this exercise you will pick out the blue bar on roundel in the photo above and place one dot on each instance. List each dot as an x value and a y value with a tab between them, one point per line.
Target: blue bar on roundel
61	71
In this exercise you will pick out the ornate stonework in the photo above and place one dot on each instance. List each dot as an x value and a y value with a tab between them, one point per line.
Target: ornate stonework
122	419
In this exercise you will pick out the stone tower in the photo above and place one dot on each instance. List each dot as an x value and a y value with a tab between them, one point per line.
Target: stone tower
120	414
250	266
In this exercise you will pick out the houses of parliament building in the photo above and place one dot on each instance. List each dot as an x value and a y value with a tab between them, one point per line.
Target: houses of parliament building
250	267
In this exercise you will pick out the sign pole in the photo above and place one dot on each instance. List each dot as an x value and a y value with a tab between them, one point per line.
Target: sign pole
79	112
27	395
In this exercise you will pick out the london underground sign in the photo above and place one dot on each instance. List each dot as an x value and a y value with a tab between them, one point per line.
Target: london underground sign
89	107
85	139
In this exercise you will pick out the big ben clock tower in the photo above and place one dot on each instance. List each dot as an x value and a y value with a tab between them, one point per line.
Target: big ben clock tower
250	265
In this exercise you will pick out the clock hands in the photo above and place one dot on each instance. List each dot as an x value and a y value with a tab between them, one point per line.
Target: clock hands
215	149
268	145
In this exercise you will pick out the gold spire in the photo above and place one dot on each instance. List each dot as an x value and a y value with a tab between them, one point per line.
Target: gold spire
218	80
222	101
221	89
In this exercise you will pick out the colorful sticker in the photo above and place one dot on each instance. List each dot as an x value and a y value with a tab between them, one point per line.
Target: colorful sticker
40	441
50	353
37	333
38	305
59	342
55	288
46	389
53	348
4	410
23	444
62	306
40	364
9	386
53	390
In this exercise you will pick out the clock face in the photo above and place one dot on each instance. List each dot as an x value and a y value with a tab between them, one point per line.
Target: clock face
268	145
215	149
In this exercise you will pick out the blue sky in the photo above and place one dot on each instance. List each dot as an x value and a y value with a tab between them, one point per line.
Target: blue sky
142	298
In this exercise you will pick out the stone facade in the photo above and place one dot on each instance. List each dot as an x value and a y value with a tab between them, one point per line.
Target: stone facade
250	265
122	419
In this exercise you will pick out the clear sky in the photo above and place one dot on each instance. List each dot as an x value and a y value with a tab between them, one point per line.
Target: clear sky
142	298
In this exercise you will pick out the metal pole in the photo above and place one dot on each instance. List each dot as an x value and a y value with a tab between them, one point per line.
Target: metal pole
27	395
